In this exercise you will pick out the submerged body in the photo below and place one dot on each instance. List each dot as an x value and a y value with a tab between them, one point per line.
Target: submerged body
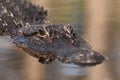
45	41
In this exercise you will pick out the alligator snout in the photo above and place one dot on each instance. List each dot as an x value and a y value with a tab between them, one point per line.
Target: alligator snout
88	59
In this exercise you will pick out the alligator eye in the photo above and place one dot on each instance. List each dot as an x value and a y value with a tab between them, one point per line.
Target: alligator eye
41	32
69	29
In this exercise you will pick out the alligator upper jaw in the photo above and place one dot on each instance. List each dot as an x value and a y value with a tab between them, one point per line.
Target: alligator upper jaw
60	49
86	59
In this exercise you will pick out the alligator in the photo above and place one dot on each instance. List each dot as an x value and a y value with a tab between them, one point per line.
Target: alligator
29	29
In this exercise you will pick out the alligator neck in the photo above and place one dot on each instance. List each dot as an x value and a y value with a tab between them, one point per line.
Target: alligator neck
15	14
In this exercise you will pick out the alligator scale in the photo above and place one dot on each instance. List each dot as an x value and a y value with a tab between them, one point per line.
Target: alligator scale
29	30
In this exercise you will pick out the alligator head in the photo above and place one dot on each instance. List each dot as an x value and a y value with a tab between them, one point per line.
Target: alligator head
49	42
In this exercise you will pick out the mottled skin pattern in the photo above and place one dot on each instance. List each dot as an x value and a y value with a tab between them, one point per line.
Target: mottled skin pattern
26	24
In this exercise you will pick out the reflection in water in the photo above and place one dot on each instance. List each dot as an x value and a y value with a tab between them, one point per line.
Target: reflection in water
9	61
33	70
72	70
102	22
96	30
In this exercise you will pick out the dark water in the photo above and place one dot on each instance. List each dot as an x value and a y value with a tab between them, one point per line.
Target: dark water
98	21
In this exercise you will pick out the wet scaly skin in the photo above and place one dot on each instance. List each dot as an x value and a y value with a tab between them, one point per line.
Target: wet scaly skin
26	24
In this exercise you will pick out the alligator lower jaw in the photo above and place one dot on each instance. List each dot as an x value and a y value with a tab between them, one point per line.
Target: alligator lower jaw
89	64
